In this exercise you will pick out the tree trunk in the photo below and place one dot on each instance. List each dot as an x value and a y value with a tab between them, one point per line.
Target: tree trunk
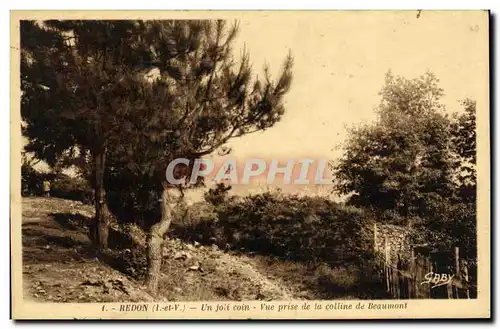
156	239
100	230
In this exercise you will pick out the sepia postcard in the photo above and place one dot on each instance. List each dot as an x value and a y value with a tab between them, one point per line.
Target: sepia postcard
250	164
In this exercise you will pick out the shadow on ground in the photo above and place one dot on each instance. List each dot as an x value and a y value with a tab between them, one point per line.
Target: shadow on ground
69	221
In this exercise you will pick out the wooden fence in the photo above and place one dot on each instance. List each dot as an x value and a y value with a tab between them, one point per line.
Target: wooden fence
421	272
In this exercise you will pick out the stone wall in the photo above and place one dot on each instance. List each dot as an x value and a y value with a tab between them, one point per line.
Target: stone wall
393	237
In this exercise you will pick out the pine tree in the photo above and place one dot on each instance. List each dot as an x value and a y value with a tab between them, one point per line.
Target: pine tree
74	77
192	107
140	94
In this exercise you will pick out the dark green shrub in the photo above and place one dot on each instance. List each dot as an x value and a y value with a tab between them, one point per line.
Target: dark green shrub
72	188
32	180
197	222
288	226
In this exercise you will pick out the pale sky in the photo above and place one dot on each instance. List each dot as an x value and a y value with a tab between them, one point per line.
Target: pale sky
341	59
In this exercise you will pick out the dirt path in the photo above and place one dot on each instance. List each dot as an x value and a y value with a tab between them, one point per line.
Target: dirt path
216	275
269	286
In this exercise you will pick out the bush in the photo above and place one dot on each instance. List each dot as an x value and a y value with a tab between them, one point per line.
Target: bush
287	226
358	279
198	222
62	185
451	225
32	180
71	188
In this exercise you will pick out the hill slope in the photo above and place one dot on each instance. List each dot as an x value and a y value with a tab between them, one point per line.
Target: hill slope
60	266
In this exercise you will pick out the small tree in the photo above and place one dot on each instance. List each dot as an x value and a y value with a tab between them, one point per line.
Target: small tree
191	107
464	141
403	162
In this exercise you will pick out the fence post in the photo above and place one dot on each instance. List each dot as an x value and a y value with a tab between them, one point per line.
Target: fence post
387	251
375	245
466	278
457	270
386	256
425	266
399	277
450	290
412	286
